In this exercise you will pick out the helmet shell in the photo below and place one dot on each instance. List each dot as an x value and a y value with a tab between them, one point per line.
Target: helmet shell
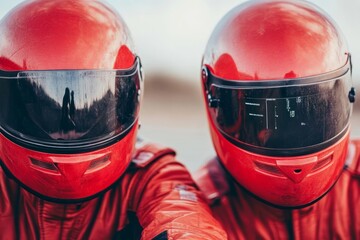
66	35
277	40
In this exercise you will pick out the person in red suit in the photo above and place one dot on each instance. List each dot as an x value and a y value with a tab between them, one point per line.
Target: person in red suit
70	91
276	79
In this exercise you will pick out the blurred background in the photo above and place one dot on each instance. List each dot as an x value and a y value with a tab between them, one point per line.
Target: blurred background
170	37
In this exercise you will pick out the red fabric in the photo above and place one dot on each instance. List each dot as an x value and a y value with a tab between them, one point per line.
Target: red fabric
155	195
335	216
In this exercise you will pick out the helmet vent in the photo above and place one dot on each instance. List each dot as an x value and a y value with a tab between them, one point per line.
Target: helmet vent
99	163
323	162
43	165
267	168
297	170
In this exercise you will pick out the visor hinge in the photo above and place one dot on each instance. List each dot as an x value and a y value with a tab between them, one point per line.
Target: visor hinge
213	102
352	94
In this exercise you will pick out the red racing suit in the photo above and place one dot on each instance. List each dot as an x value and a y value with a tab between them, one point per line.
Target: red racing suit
154	199
335	216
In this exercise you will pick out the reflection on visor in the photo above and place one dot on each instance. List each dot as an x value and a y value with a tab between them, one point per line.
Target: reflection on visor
280	119
69	110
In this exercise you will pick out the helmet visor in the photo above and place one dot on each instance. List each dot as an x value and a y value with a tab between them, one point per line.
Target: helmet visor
67	111
282	118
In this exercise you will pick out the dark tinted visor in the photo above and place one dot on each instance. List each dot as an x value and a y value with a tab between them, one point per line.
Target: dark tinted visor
69	111
282	118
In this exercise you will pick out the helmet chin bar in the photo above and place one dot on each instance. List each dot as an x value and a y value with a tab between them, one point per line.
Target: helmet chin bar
285	207
267	177
69	178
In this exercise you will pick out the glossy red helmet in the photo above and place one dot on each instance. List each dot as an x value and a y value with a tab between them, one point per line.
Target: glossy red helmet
277	85
70	85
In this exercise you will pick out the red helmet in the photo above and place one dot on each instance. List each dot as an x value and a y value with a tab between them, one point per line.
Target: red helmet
277	84
70	92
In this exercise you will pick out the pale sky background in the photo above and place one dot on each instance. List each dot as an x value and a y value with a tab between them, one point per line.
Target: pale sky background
170	37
